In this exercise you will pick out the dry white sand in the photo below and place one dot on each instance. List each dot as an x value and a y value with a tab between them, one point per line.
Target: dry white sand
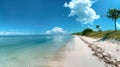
76	54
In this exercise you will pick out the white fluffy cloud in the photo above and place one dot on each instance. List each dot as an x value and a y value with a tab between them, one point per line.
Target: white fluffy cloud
56	30
12	33
118	25
82	9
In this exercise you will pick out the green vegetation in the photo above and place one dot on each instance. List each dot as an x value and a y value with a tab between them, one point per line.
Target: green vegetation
106	35
98	28
102	34
113	14
87	31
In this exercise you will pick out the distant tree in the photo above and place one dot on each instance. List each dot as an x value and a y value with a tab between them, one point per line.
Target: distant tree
87	31
97	27
114	14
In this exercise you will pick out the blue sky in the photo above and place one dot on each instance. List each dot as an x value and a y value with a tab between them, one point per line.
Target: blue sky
52	16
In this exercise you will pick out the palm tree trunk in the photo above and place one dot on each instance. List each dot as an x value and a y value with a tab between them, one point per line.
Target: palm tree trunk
115	24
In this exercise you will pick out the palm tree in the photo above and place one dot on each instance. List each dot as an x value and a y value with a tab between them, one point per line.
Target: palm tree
97	27
114	14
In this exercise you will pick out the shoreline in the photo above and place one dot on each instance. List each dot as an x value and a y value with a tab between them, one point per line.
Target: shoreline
76	54
58	59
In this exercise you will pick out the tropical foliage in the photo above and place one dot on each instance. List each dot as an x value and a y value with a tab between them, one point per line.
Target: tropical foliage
98	27
114	14
87	31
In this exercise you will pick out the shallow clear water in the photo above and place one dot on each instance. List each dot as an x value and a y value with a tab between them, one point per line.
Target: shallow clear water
30	50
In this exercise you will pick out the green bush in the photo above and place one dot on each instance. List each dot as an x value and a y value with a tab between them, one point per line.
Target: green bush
87	31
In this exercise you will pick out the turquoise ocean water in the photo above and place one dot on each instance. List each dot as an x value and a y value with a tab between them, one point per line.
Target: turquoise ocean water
30	50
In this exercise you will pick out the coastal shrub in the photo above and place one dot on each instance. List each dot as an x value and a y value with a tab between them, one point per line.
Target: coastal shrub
87	31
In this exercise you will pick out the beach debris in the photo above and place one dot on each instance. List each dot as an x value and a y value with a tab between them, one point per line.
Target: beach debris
117	50
117	63
101	54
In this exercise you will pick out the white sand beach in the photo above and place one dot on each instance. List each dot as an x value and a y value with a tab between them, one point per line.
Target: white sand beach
77	54
107	50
